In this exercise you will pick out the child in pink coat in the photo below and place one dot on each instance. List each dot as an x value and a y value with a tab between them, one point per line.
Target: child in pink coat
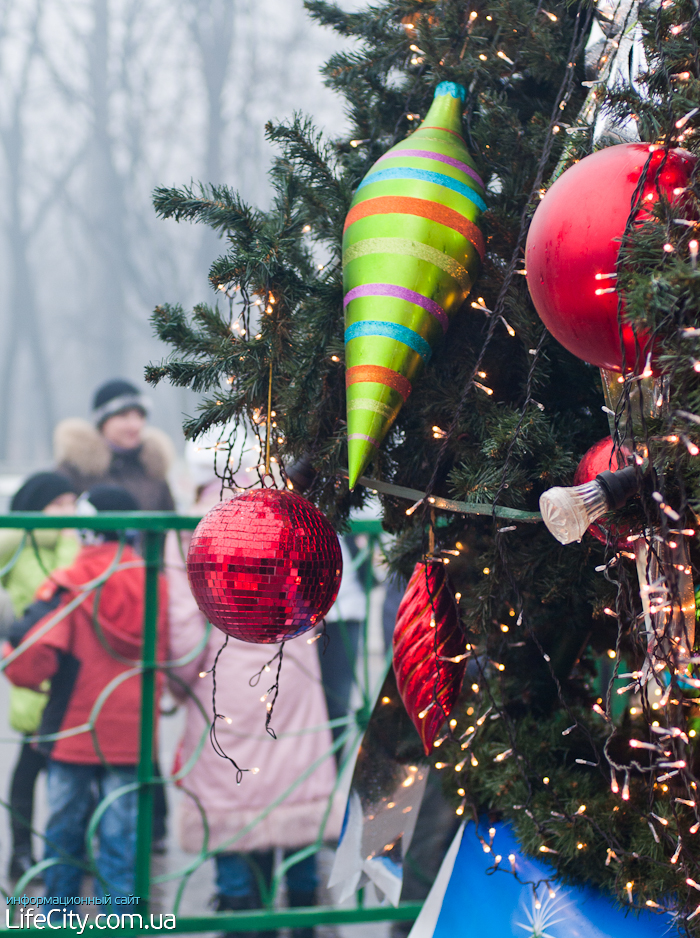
244	823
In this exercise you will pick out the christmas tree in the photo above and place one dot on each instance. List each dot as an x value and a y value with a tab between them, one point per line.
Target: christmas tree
600	784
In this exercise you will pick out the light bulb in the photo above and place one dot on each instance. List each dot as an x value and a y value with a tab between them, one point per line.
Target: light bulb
568	512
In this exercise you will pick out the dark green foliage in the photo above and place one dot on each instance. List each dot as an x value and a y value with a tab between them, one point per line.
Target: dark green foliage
528	604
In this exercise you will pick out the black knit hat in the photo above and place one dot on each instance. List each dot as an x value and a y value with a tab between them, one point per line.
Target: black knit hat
116	397
39	490
105	497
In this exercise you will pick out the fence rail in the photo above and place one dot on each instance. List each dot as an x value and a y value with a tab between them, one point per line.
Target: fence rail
153	527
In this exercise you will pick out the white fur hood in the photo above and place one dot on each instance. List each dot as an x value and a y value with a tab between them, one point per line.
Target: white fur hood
78	444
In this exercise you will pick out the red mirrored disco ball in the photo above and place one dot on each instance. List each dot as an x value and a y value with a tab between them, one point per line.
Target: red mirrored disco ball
264	566
427	634
574	241
601	458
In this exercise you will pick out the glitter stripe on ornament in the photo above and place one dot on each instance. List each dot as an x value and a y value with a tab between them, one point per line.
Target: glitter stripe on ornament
366	403
423	252
424	175
431	155
390	330
423	208
399	293
378	374
363	436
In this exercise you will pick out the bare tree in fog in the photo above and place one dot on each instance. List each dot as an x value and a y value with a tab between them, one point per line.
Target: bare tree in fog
100	102
211	24
120	74
23	337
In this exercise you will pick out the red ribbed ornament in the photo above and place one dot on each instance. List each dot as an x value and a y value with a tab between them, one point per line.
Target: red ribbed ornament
421	674
264	566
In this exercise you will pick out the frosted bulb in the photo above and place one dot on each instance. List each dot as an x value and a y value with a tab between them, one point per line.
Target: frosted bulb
568	512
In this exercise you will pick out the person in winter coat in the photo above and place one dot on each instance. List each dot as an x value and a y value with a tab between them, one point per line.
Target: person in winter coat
118	447
238	825
30	560
82	652
121	449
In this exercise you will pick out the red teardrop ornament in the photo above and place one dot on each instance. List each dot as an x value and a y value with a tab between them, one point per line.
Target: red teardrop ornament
422	676
264	566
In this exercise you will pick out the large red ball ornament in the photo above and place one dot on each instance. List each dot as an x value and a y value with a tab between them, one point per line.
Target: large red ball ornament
602	457
574	242
264	566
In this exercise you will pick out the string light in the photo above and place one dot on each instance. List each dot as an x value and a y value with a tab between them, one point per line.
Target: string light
502	756
438	433
682	121
480	304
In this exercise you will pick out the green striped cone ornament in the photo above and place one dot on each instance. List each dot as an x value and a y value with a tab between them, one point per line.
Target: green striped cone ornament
411	253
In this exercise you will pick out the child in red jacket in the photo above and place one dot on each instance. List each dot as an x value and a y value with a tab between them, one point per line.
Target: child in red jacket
91	740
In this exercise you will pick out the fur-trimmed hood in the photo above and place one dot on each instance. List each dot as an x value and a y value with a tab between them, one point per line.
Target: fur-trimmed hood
80	447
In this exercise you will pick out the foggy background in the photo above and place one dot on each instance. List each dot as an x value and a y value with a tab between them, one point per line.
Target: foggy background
100	102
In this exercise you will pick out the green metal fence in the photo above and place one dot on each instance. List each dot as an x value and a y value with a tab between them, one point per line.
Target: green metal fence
154	526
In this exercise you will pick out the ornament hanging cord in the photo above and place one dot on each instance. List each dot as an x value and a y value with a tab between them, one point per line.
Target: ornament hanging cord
268	424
